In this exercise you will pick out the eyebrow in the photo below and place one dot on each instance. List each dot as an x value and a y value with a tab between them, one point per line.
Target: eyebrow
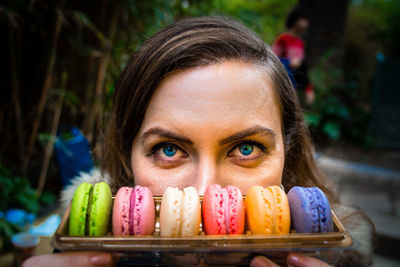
235	137
166	134
248	132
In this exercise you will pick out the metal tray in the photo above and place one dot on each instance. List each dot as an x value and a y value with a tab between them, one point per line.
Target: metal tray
246	243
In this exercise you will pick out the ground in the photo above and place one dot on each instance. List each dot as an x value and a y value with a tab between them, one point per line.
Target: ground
382	157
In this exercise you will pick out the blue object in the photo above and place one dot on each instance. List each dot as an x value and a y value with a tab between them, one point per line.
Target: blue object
310	211
73	154
48	227
286	63
380	57
19	217
25	240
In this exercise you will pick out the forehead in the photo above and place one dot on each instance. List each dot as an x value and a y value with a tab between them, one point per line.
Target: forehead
221	94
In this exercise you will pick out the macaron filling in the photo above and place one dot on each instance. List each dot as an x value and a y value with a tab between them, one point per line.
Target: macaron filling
315	227
190	212
89	214
269	218
231	210
135	210
226	202
86	208
277	219
125	213
324	226
220	210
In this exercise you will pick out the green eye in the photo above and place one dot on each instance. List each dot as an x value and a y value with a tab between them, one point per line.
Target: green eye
169	150
246	149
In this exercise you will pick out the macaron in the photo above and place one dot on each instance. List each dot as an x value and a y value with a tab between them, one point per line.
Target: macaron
90	210
223	210
180	212
267	210
134	212
310	210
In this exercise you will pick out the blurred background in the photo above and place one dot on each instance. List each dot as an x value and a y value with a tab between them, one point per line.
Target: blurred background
60	61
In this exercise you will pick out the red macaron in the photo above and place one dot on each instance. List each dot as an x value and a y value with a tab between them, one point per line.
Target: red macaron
223	210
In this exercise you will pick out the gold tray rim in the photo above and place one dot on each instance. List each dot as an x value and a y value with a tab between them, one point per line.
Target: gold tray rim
248	242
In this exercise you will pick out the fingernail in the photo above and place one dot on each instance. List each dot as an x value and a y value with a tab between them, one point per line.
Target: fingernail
101	259
293	261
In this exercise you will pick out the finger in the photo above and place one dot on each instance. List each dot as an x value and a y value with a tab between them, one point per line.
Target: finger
301	260
261	261
79	259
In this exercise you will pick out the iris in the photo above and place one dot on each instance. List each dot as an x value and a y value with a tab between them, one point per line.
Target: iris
169	150
246	149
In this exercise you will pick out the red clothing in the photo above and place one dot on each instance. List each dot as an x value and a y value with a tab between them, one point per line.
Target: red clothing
289	46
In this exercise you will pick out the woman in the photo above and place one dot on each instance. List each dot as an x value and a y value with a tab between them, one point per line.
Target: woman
205	101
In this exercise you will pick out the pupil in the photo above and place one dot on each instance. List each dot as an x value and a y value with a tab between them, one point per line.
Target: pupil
169	151
246	149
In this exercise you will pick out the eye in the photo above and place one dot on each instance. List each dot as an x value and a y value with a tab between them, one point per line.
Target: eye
247	150
166	152
169	150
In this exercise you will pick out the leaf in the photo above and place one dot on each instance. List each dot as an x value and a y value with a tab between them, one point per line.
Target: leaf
312	119
82	19
47	198
332	129
44	138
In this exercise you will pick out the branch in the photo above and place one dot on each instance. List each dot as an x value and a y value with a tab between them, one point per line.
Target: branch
53	132
45	89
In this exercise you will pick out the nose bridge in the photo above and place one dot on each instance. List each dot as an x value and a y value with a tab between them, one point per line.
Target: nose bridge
206	173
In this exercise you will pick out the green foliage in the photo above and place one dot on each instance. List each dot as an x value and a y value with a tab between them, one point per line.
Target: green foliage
336	112
380	20
7	230
372	27
16	192
267	18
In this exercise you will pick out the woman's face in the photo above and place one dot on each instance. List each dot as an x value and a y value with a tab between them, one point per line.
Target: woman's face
216	124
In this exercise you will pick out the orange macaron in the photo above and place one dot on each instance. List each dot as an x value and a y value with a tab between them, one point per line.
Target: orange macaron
267	210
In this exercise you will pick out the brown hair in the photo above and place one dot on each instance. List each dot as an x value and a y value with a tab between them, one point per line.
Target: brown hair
196	42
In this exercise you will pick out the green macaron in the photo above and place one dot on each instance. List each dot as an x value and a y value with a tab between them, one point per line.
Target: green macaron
90	210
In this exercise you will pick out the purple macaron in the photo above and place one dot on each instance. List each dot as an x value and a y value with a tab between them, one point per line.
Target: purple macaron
310	211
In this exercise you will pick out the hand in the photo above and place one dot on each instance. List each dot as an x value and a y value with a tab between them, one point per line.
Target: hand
310	97
295	63
81	259
293	259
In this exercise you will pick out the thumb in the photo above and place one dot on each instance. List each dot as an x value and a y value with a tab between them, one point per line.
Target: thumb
301	260
79	259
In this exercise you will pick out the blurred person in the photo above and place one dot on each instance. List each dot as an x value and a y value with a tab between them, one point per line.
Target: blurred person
290	48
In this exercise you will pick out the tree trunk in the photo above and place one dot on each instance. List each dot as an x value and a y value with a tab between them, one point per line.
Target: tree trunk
326	32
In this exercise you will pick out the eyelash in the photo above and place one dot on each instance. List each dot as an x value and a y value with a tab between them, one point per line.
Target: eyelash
158	146
250	142
155	148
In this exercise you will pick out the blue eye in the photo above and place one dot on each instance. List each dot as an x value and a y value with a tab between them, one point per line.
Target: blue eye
246	149
169	150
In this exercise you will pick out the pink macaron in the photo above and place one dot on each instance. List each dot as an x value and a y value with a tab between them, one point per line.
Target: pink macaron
223	210
133	211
